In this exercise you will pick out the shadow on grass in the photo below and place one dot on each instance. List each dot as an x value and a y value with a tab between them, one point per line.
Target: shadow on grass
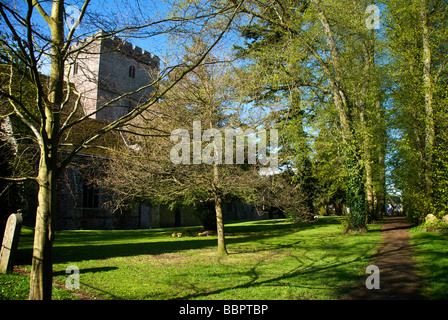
71	246
62	254
305	272
308	276
87	270
432	257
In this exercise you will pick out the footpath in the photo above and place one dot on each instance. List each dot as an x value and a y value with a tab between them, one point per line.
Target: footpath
398	279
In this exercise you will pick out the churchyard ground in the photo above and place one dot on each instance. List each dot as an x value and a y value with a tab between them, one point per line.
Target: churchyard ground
268	259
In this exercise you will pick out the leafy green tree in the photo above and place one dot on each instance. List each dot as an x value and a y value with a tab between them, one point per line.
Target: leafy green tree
328	170
54	116
204	96
416	34
324	53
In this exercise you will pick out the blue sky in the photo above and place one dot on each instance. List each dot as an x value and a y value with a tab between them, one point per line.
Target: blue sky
104	14
113	15
117	13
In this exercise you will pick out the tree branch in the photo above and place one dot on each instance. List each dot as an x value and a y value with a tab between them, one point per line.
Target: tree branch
21	179
41	11
137	111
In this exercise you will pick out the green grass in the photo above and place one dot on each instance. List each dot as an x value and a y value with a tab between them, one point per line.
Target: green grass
16	286
431	255
270	259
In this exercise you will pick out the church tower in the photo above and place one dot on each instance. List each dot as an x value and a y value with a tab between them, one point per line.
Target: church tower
112	75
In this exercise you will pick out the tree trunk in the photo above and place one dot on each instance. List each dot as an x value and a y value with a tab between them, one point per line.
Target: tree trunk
355	177
42	262
218	209
427	88
220	226
338	209
370	193
356	193
381	187
372	124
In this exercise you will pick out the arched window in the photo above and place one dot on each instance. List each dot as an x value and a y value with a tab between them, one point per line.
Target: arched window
132	72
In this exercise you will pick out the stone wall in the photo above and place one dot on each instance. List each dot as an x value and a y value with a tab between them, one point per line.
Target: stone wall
82	70
74	210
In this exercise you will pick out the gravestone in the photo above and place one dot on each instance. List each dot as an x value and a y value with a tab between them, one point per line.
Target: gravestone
430	218
445	219
10	242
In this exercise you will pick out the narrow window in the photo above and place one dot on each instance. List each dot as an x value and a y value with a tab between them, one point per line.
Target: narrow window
75	68
132	72
90	195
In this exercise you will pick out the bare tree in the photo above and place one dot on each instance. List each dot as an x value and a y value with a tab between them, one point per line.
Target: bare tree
50	115
161	171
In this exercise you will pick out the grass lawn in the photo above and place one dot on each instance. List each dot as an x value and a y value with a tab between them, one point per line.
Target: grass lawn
431	255
269	259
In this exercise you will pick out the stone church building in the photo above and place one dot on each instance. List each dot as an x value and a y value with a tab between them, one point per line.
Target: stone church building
104	70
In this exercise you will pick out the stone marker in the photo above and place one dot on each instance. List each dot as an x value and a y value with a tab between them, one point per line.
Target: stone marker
430	218
445	219
10	242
